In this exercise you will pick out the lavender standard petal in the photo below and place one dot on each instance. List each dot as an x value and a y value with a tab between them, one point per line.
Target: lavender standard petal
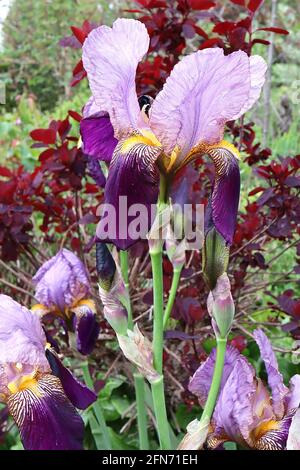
110	57
22	339
201	380
61	281
275	380
204	90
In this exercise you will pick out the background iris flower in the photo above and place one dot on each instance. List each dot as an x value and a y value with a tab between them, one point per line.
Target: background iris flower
186	119
246	411
63	290
40	393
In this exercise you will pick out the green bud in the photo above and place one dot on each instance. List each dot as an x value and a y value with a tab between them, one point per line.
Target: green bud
215	257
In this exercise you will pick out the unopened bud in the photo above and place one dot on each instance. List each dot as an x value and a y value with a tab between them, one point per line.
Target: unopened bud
221	308
106	266
215	257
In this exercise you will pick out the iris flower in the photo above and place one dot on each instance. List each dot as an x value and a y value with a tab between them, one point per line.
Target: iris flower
63	290
247	412
142	138
40	393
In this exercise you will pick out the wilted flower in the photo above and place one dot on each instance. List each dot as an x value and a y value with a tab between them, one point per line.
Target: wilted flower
62	289
246	412
140	137
138	350
112	291
40	393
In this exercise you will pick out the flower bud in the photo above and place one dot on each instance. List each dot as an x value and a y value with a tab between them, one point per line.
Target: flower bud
106	266
215	257
221	307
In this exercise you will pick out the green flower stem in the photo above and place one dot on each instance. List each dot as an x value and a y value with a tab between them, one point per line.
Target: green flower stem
139	382
172	294
159	404
216	380
97	409
157	386
157	275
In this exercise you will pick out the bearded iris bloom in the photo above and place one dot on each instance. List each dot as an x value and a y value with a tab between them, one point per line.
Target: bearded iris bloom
63	290
246	411
185	120
40	393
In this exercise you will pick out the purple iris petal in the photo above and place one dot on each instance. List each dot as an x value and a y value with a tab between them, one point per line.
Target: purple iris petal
110	57
133	176
98	137
61	281
46	418
201	380
78	394
87	330
292	399
96	172
278	389
22	339
225	200
233	413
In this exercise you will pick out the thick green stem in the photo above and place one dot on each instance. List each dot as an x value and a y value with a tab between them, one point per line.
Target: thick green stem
139	384
159	404
172	294
216	380
157	387
96	407
158	300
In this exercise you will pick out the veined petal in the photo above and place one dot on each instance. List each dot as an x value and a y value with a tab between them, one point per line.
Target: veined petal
45	417
275	380
110	57
133	179
61	281
273	435
201	380
204	90
233	413
258	68
22	339
80	395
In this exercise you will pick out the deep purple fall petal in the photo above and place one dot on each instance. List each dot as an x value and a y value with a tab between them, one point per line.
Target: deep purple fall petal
80	395
133	180
87	329
98	138
46	418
